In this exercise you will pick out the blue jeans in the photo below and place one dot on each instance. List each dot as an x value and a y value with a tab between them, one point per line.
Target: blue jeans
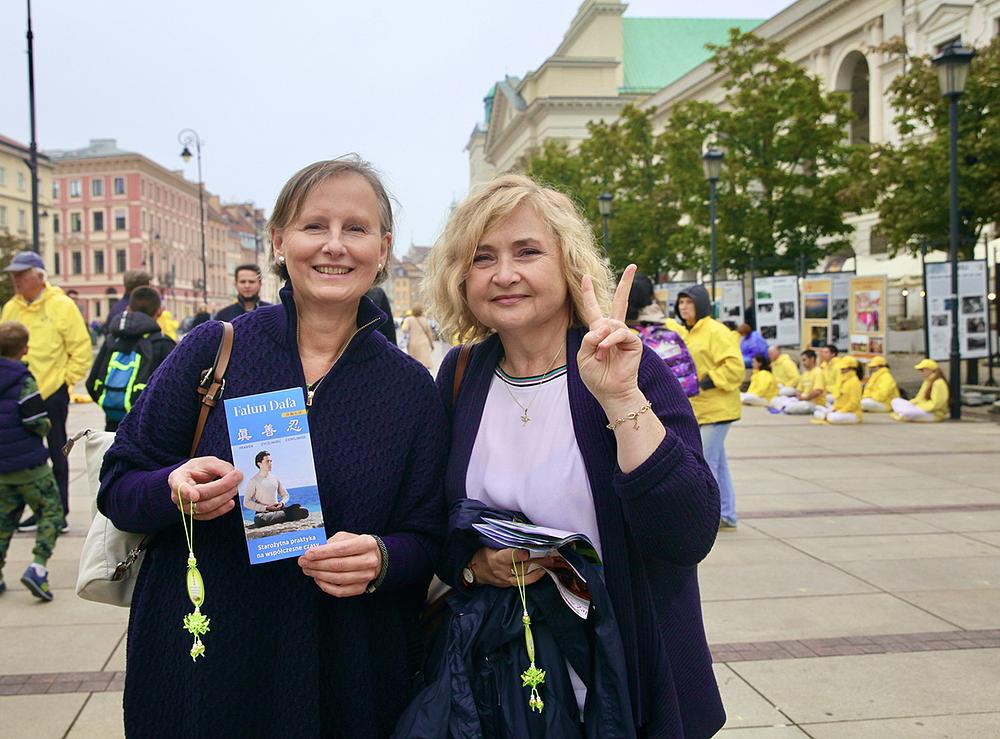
713	440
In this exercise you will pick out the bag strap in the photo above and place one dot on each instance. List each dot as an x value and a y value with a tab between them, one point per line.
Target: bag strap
463	361
213	382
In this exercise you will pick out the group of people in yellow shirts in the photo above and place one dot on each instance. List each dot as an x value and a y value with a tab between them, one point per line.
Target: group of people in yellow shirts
829	388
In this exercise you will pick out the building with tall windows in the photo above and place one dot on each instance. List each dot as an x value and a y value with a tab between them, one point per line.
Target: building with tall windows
116	210
15	196
607	59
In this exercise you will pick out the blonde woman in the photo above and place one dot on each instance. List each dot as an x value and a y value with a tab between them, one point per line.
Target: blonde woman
564	417
419	336
931	401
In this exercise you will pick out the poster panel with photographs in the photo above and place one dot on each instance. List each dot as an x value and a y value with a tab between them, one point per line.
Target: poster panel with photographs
840	308
731	300
816	311
868	317
777	302
973	309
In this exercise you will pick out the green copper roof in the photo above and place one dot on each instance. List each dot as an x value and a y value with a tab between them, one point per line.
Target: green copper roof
659	51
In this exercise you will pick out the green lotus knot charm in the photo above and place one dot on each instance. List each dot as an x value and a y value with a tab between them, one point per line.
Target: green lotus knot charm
534	677
195	623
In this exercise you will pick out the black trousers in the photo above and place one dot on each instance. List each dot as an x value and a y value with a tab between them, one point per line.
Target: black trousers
57	406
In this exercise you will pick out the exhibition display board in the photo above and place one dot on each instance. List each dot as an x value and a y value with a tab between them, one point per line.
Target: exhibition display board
777	303
731	300
868	316
826	309
817	310
973	313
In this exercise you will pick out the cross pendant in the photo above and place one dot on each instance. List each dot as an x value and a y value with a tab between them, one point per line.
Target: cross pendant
524	418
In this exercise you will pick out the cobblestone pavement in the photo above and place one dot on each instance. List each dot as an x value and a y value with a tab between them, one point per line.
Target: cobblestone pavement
860	596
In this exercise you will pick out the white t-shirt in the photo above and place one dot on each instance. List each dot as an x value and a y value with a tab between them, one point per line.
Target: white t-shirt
535	467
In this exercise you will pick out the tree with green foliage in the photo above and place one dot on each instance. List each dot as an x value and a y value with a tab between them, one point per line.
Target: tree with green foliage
9	246
908	182
625	159
785	181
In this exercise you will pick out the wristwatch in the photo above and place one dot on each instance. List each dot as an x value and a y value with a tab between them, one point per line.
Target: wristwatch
468	576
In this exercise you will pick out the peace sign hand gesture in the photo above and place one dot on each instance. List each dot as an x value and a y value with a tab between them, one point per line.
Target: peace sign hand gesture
610	353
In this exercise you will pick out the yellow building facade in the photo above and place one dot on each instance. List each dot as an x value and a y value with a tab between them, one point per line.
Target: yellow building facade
15	197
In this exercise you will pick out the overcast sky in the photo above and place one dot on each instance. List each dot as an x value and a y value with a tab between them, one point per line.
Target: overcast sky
271	86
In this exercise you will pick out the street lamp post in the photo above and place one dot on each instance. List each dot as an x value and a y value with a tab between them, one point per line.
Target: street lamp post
33	144
952	66
187	137
604	201
712	161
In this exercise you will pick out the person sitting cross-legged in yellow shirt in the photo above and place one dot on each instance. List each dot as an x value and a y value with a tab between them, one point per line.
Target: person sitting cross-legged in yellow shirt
811	389
931	401
785	372
847	396
763	387
880	388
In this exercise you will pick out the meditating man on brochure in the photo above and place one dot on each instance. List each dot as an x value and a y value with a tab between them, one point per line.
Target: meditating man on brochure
267	496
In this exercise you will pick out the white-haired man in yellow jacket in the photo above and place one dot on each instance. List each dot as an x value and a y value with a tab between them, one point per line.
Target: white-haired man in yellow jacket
59	352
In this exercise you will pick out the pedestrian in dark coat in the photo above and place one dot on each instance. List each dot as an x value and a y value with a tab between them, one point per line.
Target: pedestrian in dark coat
326	645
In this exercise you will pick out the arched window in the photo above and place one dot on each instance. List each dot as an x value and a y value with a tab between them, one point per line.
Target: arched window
853	80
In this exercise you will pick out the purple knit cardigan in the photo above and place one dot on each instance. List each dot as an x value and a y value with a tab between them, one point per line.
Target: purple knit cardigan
656	523
283	658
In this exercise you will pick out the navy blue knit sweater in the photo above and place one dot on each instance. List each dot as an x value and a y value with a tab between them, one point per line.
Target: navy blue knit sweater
282	658
656	523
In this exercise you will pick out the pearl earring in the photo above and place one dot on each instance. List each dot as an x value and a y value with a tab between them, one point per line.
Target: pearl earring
281	260
380	265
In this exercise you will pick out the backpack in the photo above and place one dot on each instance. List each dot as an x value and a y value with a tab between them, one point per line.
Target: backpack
119	382
670	347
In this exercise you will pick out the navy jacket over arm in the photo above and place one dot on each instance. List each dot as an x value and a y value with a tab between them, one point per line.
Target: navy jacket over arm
656	523
282	658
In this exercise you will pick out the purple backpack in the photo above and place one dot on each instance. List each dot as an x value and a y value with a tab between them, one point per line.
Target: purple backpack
670	347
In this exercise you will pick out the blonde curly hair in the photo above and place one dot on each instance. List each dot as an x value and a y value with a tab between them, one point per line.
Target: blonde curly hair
450	260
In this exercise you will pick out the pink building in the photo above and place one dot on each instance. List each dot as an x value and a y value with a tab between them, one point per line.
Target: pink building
116	210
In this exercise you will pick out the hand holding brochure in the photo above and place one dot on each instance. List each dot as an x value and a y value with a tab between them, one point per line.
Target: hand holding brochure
544	541
279	497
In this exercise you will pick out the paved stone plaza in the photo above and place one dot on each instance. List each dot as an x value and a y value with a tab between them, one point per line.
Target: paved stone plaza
860	596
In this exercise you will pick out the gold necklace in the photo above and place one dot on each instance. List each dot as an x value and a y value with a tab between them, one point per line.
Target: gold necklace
525	418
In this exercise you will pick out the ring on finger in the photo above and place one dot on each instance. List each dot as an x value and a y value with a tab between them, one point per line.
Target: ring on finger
194	508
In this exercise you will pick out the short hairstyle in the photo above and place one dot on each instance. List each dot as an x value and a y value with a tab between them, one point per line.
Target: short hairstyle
260	458
298	187
833	349
248	268
13	339
809	353
136	278
144	299
450	260
640	296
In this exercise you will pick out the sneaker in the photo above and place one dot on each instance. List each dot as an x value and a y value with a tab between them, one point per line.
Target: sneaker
65	527
27	525
37	584
727	524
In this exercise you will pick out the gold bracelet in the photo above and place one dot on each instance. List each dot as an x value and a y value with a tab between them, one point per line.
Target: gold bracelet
633	417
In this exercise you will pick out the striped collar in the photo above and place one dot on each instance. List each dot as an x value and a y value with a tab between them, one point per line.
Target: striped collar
532	381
